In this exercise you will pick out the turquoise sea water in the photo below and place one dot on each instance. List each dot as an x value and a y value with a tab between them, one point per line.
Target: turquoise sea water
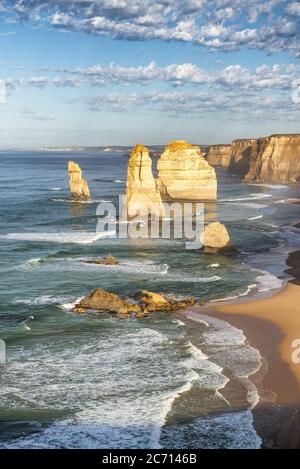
95	381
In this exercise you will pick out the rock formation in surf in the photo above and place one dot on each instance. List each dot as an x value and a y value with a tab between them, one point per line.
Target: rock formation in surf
143	303
241	152
215	238
152	302
184	173
142	196
219	155
275	159
108	260
105	302
78	186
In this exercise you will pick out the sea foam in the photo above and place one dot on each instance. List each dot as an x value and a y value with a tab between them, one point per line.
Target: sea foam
78	237
250	198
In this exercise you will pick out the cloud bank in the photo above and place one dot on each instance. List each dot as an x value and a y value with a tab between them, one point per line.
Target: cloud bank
279	76
263	91
217	25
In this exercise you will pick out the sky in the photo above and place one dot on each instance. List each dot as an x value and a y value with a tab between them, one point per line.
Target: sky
119	72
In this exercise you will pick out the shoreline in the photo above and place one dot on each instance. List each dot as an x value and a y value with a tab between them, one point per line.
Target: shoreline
270	325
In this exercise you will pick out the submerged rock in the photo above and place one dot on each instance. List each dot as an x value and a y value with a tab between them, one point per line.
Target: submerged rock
108	260
184	173
78	186
142	197
215	239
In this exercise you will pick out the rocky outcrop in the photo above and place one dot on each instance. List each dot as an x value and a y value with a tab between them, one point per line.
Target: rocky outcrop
184	173
219	155
275	159
152	302
108	260
215	238
241	152
144	302
142	194
105	302
78	186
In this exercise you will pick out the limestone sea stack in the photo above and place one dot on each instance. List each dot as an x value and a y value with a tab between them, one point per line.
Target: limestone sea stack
184	173
240	154
219	155
142	194
215	239
78	186
275	159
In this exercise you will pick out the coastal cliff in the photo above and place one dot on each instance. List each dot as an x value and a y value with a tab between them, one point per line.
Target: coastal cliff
241	152
219	155
275	159
141	191
78	186
184	173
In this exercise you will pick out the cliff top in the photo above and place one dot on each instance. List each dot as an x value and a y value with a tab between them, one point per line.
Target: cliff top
244	140
73	167
139	148
268	136
176	145
285	135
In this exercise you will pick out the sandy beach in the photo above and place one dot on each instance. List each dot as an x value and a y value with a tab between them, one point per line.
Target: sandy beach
272	325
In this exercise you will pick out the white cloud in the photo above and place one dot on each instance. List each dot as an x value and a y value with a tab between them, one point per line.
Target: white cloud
190	89
293	8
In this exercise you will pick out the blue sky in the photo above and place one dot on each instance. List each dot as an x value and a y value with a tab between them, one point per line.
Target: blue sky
121	72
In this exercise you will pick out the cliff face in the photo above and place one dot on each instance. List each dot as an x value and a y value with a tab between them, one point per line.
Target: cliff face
184	173
141	191
241	152
276	159
219	155
78	186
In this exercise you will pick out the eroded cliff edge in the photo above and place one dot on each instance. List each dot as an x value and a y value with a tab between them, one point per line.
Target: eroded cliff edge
276	159
219	155
267	159
240	155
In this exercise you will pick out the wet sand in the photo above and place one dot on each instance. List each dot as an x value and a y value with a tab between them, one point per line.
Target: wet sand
272	325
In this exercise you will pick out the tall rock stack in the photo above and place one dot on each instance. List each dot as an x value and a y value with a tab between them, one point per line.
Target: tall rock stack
276	159
141	191
184	173
78	186
219	155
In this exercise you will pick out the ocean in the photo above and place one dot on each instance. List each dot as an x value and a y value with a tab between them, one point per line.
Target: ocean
95	381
